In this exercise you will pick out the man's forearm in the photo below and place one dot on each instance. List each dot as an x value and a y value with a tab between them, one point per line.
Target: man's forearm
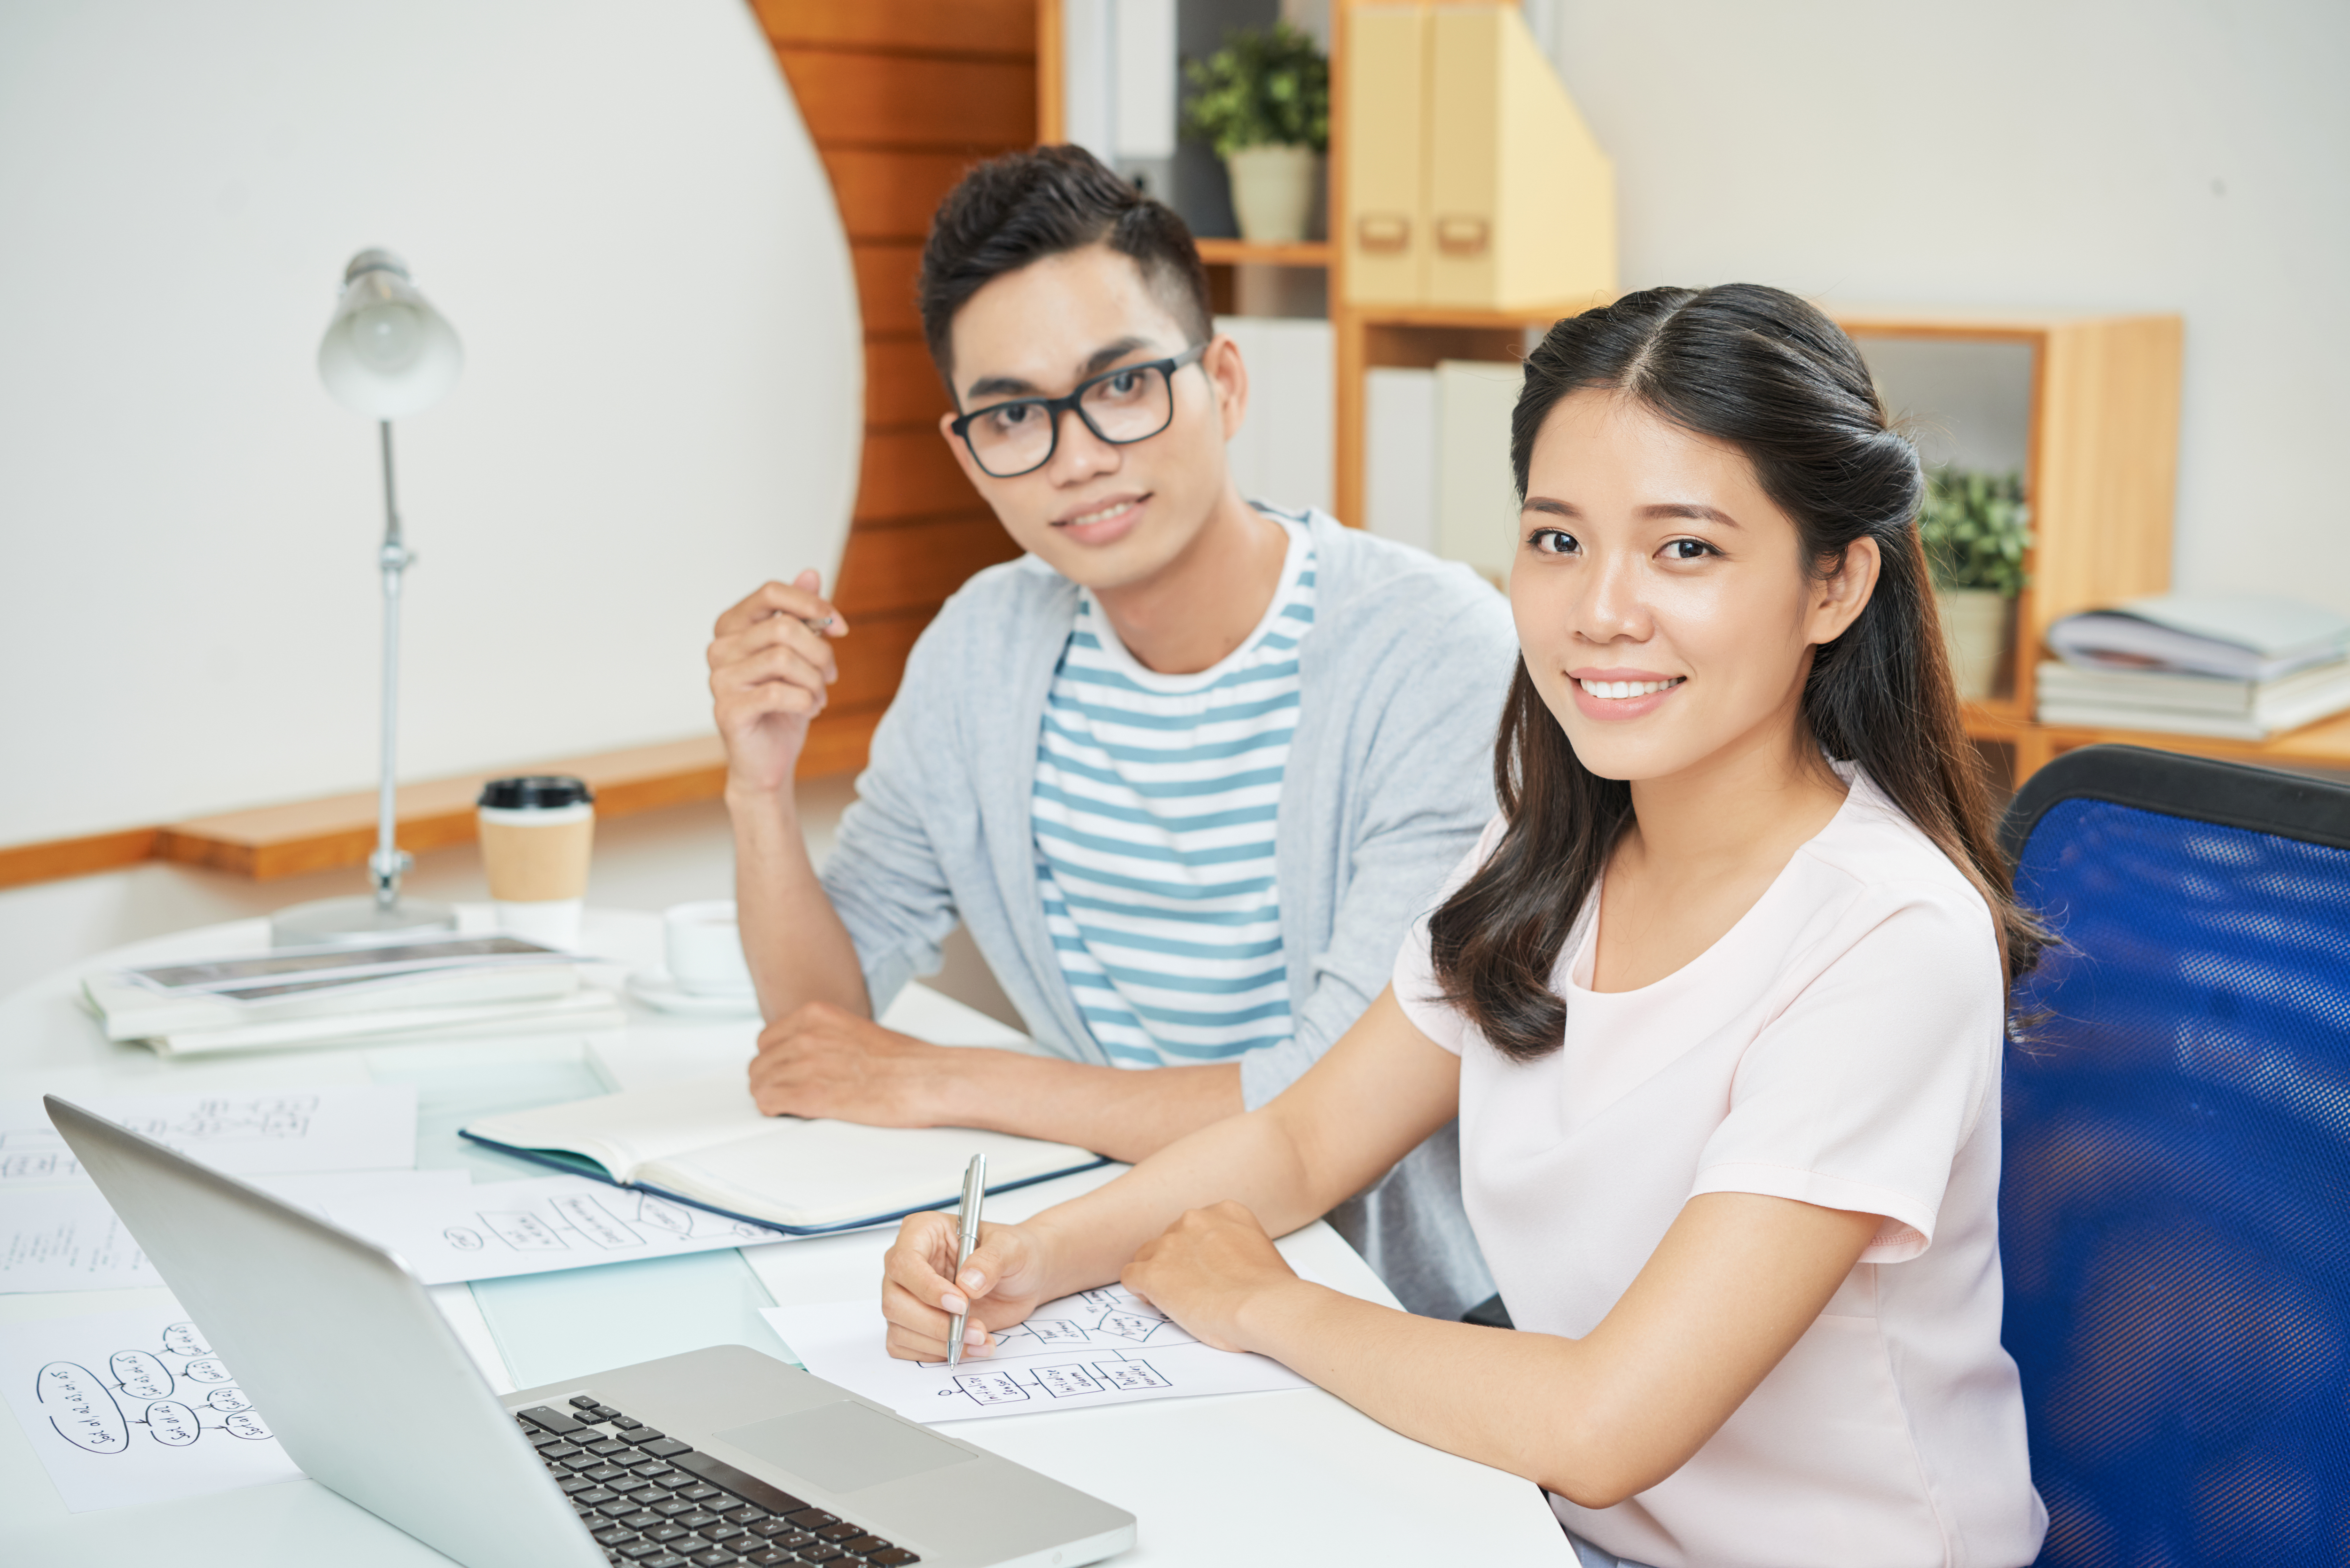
1128	1116
793	939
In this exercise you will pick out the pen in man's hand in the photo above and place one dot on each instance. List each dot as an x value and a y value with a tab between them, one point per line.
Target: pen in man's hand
974	1189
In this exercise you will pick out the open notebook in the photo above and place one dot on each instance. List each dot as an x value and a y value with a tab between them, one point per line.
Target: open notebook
704	1142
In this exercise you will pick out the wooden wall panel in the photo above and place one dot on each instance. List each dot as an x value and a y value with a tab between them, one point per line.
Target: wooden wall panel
998	28
916	564
913	101
900	386
909	473
886	275
900	97
886	193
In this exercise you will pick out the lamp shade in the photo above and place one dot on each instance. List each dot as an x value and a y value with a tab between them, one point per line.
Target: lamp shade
387	353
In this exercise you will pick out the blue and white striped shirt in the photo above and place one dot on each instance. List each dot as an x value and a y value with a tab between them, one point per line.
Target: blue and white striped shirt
1154	810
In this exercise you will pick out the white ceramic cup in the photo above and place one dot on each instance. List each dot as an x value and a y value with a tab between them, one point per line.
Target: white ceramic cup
705	948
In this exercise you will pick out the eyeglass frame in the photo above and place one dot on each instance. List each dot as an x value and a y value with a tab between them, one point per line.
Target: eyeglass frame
1071	403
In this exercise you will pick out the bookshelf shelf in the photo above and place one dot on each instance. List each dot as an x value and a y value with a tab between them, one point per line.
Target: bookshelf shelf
2101	447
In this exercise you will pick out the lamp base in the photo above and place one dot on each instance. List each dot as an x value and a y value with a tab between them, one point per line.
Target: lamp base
326	922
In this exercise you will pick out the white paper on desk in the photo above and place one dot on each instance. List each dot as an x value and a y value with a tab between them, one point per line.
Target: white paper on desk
1104	1347
127	1407
349	1126
498	1228
67	1238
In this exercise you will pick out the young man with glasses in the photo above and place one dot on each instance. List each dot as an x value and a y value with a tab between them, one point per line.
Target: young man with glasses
1187	770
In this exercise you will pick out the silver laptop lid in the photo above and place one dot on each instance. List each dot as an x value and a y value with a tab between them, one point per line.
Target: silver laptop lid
308	1314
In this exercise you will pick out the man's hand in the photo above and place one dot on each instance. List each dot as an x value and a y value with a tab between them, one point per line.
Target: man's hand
770	662
1206	1268
824	1061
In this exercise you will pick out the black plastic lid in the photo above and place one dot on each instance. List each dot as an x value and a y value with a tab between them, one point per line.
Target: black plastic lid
534	792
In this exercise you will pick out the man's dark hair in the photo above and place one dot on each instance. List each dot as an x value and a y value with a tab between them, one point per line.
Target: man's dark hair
1025	206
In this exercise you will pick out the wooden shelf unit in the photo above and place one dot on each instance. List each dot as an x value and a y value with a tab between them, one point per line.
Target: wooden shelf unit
2102	446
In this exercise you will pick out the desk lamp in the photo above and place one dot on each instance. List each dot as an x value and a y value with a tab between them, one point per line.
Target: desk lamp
387	354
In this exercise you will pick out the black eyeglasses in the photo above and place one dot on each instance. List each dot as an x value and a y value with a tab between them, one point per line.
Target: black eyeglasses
1131	403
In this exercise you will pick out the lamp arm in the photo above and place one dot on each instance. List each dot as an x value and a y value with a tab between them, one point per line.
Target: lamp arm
388	861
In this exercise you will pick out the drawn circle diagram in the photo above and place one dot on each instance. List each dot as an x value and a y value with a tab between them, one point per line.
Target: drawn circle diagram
228	1401
79	1408
182	1339
246	1425
172	1424
465	1241
140	1374
206	1369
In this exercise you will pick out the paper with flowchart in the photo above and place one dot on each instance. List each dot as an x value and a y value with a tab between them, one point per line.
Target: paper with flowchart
127	1407
1104	1347
68	1239
350	1127
499	1228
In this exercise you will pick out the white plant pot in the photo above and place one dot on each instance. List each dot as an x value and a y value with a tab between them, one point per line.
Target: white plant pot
1974	635
1272	191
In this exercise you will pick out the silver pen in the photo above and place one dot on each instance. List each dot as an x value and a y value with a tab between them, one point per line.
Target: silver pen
974	1189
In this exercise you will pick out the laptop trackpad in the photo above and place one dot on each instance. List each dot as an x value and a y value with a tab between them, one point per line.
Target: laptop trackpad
846	1447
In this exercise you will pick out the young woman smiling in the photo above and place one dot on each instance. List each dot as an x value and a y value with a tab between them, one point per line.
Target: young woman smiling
1719	999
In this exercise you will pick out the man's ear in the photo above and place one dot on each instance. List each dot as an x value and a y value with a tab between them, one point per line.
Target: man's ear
1839	597
961	449
1229	376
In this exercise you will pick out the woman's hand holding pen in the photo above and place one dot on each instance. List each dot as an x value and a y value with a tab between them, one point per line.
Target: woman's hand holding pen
770	662
1007	1276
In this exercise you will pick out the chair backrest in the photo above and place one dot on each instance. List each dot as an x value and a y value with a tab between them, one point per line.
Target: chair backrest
2175	1211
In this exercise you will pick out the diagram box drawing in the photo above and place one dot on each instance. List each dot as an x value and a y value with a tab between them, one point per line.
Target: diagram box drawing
1130	1376
591	1219
1128	1325
525	1232
992	1387
1056	1331
1066	1381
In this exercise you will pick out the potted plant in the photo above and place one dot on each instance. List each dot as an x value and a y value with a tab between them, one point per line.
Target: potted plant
1263	103
1975	528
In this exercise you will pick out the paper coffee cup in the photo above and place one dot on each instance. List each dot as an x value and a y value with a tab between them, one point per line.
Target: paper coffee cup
537	833
703	946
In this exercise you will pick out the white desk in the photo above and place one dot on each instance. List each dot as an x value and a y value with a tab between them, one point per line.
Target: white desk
1289	1478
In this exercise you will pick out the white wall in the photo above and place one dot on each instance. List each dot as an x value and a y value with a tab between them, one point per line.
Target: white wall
2086	154
616	203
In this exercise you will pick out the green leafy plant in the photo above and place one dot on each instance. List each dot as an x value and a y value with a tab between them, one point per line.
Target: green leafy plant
1269	86
1975	528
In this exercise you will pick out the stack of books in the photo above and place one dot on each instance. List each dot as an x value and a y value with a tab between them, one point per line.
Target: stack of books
385	994
2238	666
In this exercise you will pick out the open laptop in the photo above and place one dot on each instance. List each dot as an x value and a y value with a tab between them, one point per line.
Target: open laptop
722	1455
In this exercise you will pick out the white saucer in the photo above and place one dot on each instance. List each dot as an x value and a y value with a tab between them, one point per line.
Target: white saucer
657	988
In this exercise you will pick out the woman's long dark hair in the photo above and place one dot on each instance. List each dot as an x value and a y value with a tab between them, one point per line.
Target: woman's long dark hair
1768	374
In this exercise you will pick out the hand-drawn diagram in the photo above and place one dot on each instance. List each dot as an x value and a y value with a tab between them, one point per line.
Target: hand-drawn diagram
130	1407
85	1410
1111	1318
524	1227
1086	1350
358	1126
1107	1320
589	1217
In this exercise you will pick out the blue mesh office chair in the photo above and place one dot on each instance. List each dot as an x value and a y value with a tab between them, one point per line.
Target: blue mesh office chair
2175	1211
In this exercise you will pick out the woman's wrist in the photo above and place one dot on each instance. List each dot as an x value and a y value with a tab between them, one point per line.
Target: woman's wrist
1276	1318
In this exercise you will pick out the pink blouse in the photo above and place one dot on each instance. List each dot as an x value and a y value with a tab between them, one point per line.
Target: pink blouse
1840	1046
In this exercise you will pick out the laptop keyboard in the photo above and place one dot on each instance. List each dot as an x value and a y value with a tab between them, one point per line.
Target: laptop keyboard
654	1502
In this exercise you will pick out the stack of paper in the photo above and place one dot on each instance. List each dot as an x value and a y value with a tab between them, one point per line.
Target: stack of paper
2241	666
417	990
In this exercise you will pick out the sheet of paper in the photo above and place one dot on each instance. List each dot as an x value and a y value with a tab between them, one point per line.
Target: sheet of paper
67	1238
502	1227
129	1408
354	1126
1104	1347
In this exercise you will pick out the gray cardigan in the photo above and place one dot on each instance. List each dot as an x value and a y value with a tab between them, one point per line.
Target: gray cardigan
1388	784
